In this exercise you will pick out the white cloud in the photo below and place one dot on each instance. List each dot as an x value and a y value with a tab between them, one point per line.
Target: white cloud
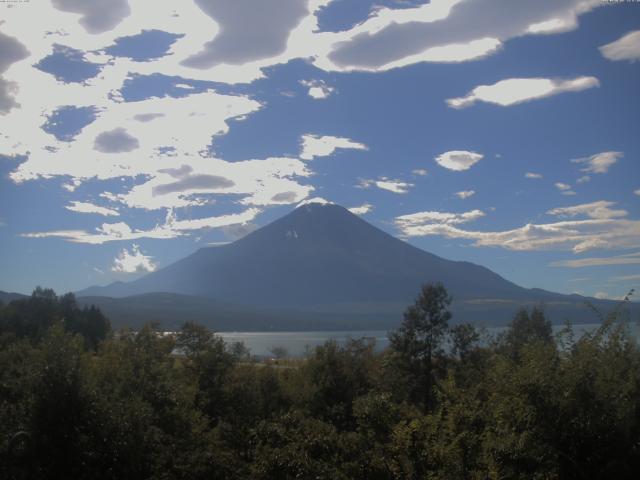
384	183
627	259
172	228
583	179
465	194
142	137
422	223
597	210
85	207
458	160
599	163
231	41
533	175
318	89
637	192
420	172
362	209
564	188
317	146
444	31
625	48
133	261
576	235
517	90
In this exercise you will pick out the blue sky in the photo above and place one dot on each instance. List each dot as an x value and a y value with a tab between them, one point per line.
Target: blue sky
499	132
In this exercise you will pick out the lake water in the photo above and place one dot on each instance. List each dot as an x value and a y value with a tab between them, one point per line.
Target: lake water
297	343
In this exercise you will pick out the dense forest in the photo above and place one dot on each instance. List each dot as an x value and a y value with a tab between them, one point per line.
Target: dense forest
78	400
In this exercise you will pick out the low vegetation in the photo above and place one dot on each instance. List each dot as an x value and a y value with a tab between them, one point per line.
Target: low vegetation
78	400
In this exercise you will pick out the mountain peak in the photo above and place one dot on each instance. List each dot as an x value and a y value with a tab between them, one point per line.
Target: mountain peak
316	201
318	254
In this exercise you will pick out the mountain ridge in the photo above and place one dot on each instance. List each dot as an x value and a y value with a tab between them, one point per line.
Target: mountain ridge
322	259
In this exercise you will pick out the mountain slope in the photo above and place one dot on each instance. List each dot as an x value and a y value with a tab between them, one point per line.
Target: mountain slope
6	297
320	267
317	255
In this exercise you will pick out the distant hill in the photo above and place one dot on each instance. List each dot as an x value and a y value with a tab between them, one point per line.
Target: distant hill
6	297
319	263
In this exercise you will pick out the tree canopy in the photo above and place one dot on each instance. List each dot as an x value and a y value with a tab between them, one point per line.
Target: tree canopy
441	402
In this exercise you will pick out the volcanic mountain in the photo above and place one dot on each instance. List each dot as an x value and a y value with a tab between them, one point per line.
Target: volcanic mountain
322	259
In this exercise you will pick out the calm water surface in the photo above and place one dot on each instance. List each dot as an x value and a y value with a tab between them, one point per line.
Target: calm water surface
297	343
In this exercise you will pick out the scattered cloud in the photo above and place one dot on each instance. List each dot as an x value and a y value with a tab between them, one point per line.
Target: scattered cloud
85	207
318	89
423	223
385	183
465	194
317	146
362	209
518	90
627	259
172	228
420	172
576	235
133	261
583	179
534	176
625	48
637	192
599	163
597	210
458	160
564	188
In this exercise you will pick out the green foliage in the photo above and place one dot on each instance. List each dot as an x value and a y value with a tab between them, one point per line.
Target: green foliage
32	317
337	376
147	405
526	328
418	343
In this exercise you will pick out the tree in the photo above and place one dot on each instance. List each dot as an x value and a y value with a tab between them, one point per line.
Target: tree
210	364
464	339
418	342
279	353
31	317
526	328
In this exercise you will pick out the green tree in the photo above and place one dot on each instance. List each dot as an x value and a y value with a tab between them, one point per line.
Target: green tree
526	328
210	365
418	343
337	376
